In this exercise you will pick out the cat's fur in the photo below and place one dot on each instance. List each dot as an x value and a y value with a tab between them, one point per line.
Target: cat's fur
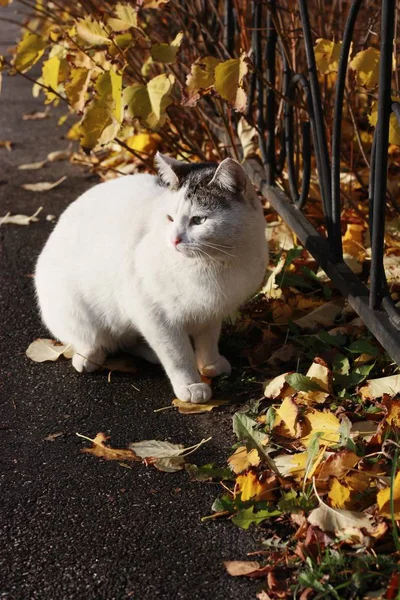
117	272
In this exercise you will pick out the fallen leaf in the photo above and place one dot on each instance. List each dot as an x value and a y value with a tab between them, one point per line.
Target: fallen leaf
32	166
246	517
278	387
337	521
287	419
237	568
59	155
322	376
188	408
53	436
338	465
43	186
7	144
20	219
36	116
242	460
376	388
297	464
383	499
42	350
339	494
165	456
100	450
323	315
324	423
252	487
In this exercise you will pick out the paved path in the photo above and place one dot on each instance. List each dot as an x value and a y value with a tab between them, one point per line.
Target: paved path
71	526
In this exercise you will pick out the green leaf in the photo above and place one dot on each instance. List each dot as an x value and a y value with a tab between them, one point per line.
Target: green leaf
246	517
149	103
245	429
341	364
302	383
363	347
210	472
97	117
29	50
229	77
166	53
338	340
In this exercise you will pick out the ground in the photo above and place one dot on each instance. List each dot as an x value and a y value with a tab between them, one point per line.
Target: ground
73	526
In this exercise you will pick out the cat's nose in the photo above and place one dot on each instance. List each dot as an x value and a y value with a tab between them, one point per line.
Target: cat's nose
177	240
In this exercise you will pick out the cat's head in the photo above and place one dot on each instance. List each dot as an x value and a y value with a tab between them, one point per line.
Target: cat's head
208	207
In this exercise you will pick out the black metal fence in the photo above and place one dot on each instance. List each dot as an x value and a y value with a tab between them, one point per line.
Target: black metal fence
374	305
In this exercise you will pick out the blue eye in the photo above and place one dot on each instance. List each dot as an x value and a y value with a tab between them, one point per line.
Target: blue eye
197	220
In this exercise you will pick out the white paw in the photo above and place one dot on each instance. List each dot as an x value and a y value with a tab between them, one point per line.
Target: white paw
88	363
195	392
218	368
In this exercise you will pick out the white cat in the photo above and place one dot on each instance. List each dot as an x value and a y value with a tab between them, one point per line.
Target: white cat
152	265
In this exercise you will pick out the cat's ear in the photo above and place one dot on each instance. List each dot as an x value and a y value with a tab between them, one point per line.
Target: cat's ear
166	167
230	176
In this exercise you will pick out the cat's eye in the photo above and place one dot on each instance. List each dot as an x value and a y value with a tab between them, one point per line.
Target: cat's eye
198	220
169	218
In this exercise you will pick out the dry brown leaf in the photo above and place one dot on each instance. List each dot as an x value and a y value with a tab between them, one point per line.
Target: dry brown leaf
53	436
188	408
339	521
237	568
278	387
32	166
376	388
20	219
242	460
43	186
59	155
164	455
323	315
7	144
338	465
42	350
100	450
36	116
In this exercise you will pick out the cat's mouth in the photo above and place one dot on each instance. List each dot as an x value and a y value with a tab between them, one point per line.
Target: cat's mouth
188	250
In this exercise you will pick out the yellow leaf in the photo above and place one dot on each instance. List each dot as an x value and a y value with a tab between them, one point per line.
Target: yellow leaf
92	32
166	53
100	450
187	408
323	422
242	460
327	55
394	127
288	414
393	414
50	72
127	17
366	65
383	499
97	117
144	142
153	3
339	494
251	487
200	78
109	88
296	464
29	50
76	88
229	81
320	374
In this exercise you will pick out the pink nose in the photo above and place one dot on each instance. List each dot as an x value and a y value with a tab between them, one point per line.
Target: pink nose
177	241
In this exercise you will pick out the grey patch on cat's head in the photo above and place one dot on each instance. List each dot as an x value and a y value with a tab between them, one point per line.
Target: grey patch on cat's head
208	184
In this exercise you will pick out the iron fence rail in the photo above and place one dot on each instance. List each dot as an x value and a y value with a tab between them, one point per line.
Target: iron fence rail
374	305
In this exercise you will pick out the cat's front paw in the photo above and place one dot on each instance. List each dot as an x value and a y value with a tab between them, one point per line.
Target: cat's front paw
218	368
195	392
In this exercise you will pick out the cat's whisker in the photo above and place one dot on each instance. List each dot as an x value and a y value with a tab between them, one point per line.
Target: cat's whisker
210	257
219	249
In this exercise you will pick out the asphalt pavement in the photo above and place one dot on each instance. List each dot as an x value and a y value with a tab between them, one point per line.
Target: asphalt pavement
73	526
